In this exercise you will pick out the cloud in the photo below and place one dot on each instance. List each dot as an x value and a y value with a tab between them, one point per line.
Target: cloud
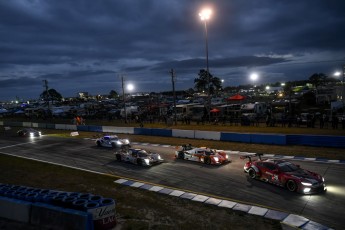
89	44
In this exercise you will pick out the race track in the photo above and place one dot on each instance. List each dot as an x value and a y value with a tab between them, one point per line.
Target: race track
227	181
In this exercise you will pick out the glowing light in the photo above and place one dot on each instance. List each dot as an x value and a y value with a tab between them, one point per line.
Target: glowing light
337	74
205	14
130	87
306	190
254	76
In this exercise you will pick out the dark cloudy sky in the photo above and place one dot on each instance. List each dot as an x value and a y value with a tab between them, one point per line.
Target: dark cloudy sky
87	45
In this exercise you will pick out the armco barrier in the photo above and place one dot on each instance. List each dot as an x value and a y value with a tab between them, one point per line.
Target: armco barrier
83	128
60	126
95	128
320	141
208	135
276	139
236	137
113	129
161	132
26	124
71	127
142	131
183	133
50	126
13	123
272	139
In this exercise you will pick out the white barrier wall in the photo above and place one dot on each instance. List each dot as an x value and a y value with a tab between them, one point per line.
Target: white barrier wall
60	126
71	127
26	124
113	129
183	133
209	135
34	125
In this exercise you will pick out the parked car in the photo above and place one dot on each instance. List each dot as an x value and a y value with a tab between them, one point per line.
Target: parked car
138	156
112	141
202	154
285	174
29	132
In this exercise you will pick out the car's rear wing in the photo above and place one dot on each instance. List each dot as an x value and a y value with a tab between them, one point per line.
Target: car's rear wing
250	156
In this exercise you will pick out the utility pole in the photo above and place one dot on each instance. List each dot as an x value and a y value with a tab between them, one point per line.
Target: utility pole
48	96
173	78
124	98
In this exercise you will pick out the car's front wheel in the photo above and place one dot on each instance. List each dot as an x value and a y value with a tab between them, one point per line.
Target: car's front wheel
181	155
207	160
113	145
139	161
99	144
252	173
291	185
118	157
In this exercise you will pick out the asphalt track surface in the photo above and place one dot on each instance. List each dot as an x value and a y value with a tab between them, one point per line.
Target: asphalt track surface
226	181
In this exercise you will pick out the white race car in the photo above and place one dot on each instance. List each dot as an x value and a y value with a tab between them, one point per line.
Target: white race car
139	157
203	154
112	141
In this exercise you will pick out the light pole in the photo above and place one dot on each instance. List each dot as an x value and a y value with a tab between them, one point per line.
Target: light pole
173	78
124	99
338	74
204	16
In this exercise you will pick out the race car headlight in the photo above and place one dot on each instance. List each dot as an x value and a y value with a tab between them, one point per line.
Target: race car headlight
39	133
323	179
32	135
306	183
147	161
226	156
159	157
216	159
306	190
118	143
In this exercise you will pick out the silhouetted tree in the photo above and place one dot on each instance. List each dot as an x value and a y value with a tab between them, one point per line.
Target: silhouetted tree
51	95
113	94
201	83
317	79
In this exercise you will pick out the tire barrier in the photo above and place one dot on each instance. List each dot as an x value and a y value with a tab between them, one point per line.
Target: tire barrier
100	209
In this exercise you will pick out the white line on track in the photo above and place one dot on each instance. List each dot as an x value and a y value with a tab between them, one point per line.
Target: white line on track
9	146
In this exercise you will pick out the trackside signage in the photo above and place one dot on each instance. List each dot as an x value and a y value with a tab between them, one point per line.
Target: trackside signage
103	217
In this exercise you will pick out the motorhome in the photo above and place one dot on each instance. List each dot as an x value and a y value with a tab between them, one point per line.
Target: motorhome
183	110
254	109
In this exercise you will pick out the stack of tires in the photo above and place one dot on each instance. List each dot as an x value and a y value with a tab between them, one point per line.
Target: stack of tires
102	209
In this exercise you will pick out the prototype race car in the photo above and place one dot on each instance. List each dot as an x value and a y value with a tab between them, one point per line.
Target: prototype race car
285	174
139	157
202	154
112	141
29	132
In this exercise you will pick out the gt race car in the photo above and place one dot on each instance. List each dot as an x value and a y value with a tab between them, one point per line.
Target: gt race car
285	174
29	132
112	141
203	154
138	156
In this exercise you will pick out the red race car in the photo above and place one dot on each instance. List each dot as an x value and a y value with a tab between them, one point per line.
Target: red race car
284	174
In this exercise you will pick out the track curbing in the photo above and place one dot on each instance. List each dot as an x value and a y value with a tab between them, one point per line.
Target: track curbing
292	220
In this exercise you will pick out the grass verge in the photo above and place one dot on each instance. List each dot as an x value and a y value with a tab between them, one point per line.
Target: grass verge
136	208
